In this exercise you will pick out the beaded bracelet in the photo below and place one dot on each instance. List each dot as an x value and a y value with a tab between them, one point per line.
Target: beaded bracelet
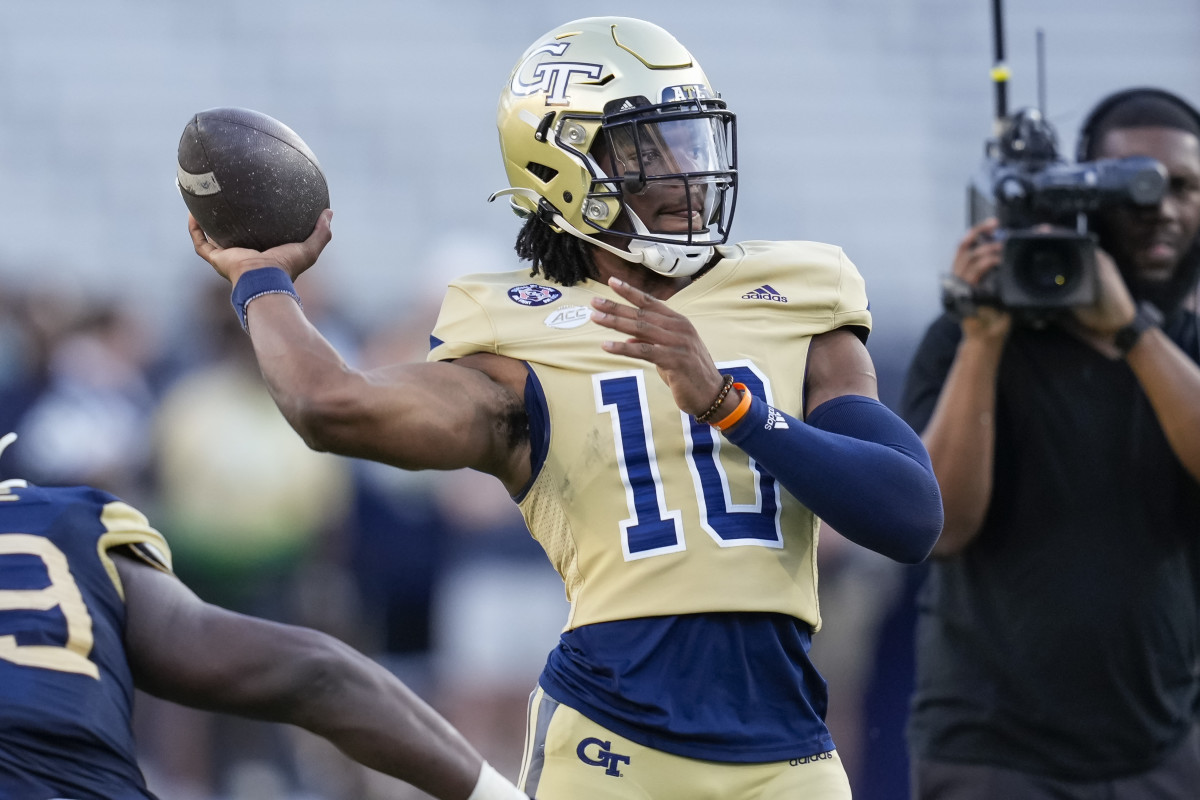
725	387
742	407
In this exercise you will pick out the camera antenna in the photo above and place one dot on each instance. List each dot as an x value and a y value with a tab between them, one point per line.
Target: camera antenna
1041	71
1000	71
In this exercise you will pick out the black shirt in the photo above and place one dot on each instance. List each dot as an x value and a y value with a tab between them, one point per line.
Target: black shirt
1065	639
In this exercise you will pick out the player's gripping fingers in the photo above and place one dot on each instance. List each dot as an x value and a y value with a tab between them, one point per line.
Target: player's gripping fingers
203	245
310	249
216	256
295	257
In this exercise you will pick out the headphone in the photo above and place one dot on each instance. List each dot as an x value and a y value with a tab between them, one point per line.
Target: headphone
1087	131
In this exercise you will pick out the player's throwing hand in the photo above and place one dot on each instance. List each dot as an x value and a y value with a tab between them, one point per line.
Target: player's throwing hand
293	258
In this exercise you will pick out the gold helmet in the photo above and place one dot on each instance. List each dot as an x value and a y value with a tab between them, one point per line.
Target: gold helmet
606	108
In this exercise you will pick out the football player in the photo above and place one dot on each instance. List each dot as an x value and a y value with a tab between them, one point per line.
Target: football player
673	414
89	609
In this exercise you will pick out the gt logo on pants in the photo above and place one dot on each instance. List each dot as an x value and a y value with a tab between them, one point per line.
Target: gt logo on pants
604	757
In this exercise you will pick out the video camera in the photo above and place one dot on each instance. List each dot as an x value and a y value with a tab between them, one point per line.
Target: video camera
1041	203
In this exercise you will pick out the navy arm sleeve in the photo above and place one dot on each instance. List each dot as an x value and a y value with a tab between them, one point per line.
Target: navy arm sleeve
854	464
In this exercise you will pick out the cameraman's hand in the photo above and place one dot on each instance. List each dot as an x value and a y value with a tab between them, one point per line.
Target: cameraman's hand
1114	307
978	254
293	258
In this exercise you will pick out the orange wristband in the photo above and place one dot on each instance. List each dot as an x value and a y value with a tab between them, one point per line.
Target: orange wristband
742	407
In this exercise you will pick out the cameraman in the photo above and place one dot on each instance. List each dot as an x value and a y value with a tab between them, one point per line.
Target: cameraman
1058	637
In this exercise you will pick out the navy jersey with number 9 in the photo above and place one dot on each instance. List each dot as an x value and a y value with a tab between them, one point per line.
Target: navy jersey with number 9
66	692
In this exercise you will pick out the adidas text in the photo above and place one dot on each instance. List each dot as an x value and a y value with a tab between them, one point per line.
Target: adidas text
765	292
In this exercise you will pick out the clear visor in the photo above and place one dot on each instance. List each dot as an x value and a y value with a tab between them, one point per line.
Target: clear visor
673	148
683	162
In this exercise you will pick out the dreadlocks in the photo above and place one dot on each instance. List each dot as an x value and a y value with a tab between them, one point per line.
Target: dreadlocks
561	257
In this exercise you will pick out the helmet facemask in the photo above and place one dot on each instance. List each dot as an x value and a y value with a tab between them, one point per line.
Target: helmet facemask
671	169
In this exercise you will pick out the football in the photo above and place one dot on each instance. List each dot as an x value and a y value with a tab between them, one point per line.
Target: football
248	179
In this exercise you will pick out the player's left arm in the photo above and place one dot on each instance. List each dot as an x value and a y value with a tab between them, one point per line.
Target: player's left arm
852	462
190	652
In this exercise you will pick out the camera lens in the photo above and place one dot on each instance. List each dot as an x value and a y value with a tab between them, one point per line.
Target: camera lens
1049	268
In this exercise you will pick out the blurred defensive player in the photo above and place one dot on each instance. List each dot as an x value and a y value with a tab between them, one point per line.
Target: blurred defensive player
89	609
675	474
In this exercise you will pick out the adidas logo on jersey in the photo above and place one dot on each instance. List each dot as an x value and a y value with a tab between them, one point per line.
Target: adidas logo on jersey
765	292
828	754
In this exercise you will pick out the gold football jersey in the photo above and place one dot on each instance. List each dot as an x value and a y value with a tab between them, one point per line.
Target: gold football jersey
642	510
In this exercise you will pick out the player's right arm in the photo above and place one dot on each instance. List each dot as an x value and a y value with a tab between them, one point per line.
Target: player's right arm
197	654
961	433
469	413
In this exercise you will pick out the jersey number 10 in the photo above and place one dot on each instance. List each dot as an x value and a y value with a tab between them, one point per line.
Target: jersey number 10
651	528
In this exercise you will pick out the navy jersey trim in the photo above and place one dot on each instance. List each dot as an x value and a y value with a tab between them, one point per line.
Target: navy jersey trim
48	748
538	413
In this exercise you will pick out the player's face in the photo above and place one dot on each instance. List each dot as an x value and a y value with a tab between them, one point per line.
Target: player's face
1151	241
675	196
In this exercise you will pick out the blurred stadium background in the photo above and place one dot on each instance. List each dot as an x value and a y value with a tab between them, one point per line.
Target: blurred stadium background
859	123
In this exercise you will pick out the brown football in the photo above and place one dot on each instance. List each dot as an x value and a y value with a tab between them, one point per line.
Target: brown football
248	179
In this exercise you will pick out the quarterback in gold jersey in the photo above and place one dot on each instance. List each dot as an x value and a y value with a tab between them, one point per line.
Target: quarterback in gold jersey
673	413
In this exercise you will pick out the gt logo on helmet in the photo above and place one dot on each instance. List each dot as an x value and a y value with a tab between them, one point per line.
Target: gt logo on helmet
552	77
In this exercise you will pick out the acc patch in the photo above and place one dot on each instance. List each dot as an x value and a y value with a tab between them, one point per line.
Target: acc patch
533	294
569	317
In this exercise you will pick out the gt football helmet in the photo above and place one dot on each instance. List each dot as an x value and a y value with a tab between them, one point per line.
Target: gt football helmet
603	110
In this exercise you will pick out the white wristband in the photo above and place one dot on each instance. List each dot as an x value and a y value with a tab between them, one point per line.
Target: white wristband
494	786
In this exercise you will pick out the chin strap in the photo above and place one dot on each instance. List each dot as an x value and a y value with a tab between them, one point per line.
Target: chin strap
673	260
